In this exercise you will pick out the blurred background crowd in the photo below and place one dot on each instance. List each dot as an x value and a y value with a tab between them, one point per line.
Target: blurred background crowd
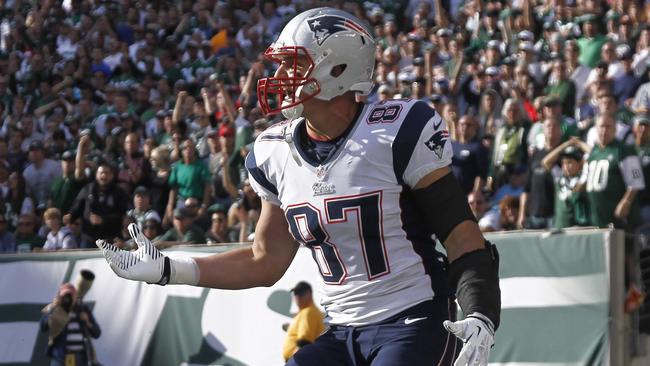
114	112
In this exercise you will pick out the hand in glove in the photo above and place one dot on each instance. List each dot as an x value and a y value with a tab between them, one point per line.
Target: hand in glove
477	333
147	263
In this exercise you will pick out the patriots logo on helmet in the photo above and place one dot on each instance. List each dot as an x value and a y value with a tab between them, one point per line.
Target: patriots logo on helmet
324	26
437	142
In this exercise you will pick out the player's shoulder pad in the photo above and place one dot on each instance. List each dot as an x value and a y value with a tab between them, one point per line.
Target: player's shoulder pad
391	112
269	140
417	116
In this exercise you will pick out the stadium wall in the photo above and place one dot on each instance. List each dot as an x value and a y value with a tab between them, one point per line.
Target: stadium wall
562	305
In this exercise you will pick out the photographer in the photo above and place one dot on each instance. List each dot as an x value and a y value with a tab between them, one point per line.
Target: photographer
69	322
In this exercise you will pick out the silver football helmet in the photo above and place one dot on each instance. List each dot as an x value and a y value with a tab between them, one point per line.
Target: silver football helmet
310	46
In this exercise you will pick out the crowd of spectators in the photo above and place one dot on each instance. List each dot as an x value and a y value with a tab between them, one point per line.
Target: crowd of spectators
114	112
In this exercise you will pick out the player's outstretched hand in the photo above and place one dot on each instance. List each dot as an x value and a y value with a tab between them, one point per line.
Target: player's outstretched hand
146	264
477	333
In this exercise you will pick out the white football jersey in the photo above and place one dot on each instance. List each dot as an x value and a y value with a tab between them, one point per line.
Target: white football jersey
356	211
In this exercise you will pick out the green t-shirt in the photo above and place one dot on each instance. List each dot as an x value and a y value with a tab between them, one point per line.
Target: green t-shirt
590	50
64	191
190	179
604	178
571	207
28	243
192	236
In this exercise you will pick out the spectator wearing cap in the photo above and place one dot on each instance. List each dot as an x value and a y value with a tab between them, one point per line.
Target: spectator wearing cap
151	226
551	108
134	168
492	53
66	187
183	230
40	173
561	87
571	205
101	204
141	207
642	142
528	58
591	41
189	177
536	201
306	325
626	84
577	72
470	161
443	42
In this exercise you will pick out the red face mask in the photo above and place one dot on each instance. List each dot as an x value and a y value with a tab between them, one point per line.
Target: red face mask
286	88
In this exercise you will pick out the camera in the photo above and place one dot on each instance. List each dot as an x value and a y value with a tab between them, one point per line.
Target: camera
66	302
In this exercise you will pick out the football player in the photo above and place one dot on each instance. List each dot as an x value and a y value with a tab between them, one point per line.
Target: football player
365	187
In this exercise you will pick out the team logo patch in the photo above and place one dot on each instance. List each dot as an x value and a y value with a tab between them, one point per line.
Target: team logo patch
437	142
324	26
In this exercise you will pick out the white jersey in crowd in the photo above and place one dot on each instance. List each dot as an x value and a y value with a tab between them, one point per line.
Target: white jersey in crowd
356	211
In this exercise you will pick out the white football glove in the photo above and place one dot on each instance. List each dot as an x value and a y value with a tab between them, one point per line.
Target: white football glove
147	263
477	333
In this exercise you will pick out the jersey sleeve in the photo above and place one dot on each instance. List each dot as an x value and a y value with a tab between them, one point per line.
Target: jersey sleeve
631	168
421	144
259	177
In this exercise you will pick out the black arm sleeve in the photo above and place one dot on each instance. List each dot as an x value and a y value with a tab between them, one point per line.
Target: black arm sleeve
475	276
443	205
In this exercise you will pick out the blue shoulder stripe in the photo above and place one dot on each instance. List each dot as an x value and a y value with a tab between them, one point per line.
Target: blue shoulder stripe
257	173
408	136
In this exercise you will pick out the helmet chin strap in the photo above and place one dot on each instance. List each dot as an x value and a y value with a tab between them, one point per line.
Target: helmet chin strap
294	112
